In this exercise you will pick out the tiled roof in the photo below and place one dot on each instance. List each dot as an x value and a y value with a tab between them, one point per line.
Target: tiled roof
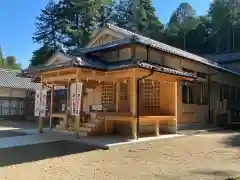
92	63
9	79
169	49
224	58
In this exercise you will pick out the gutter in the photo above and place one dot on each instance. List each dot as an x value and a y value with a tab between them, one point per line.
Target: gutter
138	91
138	96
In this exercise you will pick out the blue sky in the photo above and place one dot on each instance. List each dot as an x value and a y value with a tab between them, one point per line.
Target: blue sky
17	23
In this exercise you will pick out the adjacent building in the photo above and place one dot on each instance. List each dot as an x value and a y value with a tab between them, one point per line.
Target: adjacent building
16	96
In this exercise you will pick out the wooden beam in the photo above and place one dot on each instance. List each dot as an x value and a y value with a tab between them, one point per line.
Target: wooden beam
59	78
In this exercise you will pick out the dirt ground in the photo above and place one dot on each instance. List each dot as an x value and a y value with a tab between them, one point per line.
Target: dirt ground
205	156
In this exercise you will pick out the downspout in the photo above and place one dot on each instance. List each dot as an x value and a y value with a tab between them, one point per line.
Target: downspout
138	93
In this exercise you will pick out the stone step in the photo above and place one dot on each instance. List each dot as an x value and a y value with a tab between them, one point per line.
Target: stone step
84	129
82	133
88	125
60	126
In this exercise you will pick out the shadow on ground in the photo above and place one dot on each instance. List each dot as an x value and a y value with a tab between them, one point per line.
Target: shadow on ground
217	173
8	133
30	153
233	140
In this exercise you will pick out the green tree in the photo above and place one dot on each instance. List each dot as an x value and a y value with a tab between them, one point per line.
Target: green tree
11	63
41	55
79	20
1	58
139	16
47	26
182	21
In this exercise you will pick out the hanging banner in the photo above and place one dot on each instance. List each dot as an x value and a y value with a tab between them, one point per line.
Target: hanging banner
78	99
76	94
37	102
73	93
43	101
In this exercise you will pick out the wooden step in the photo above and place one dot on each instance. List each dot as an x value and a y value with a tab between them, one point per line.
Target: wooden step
84	129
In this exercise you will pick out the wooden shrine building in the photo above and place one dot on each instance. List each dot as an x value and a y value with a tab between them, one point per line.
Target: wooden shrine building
142	86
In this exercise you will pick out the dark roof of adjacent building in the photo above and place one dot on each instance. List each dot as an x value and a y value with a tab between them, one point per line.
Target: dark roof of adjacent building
10	79
224	58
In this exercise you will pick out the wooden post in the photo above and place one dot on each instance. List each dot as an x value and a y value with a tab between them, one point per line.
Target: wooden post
229	117
67	104
40	119
117	95
134	104
176	105
157	128
51	105
134	128
105	126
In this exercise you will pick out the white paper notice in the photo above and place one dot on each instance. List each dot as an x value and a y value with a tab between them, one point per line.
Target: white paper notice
43	103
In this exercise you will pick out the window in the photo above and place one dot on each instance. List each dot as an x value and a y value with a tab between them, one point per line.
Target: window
150	93
21	108
195	93
187	93
204	94
13	107
124	105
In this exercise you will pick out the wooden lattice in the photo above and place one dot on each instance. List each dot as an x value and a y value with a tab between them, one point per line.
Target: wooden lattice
108	94
124	91
150	94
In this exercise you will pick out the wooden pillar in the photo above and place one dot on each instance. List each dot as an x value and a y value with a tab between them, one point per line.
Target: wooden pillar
134	104
67	105
176	104
117	95
229	117
134	128
40	118
157	128
51	105
105	126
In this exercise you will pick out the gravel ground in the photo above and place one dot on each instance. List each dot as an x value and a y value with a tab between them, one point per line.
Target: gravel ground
206	156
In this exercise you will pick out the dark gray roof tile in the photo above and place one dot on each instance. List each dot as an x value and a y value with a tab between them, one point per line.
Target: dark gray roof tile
10	79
